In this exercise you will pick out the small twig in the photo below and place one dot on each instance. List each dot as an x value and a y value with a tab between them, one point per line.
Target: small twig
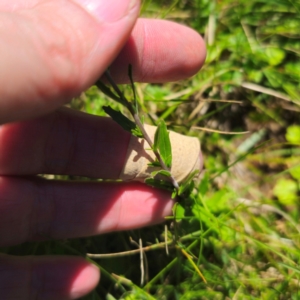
142	261
193	264
264	90
166	239
161	245
218	131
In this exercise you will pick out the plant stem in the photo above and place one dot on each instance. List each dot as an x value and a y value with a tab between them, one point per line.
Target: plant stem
141	127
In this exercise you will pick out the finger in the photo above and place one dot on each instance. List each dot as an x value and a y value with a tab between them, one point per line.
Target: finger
68	50
68	142
47	278
64	47
33	209
160	51
64	142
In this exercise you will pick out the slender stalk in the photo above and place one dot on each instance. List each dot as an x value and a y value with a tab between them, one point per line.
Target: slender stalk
141	127
158	246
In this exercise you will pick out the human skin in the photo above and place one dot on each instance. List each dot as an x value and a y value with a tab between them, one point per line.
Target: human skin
50	52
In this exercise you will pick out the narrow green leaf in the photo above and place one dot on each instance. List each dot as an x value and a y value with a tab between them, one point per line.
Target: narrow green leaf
135	106
174	194
178	211
162	143
188	184
186	189
162	184
192	176
137	132
123	121
106	90
154	164
155	142
161	172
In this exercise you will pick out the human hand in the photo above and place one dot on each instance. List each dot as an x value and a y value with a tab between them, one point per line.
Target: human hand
50	52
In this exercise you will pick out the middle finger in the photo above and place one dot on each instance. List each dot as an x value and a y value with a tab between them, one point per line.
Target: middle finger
65	142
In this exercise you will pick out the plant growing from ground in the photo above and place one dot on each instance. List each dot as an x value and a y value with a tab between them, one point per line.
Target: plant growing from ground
161	146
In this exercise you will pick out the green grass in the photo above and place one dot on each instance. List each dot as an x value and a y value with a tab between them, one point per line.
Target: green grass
240	230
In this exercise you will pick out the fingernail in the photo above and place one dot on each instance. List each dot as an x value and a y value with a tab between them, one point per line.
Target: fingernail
108	10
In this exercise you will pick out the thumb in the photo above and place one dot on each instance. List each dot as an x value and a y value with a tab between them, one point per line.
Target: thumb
53	50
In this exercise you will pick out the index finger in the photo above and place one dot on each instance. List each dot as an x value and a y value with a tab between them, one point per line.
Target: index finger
57	64
160	51
66	142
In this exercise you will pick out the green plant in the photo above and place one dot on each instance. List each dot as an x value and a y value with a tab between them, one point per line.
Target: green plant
161	146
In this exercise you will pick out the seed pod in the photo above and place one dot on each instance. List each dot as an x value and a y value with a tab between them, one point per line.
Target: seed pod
186	157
